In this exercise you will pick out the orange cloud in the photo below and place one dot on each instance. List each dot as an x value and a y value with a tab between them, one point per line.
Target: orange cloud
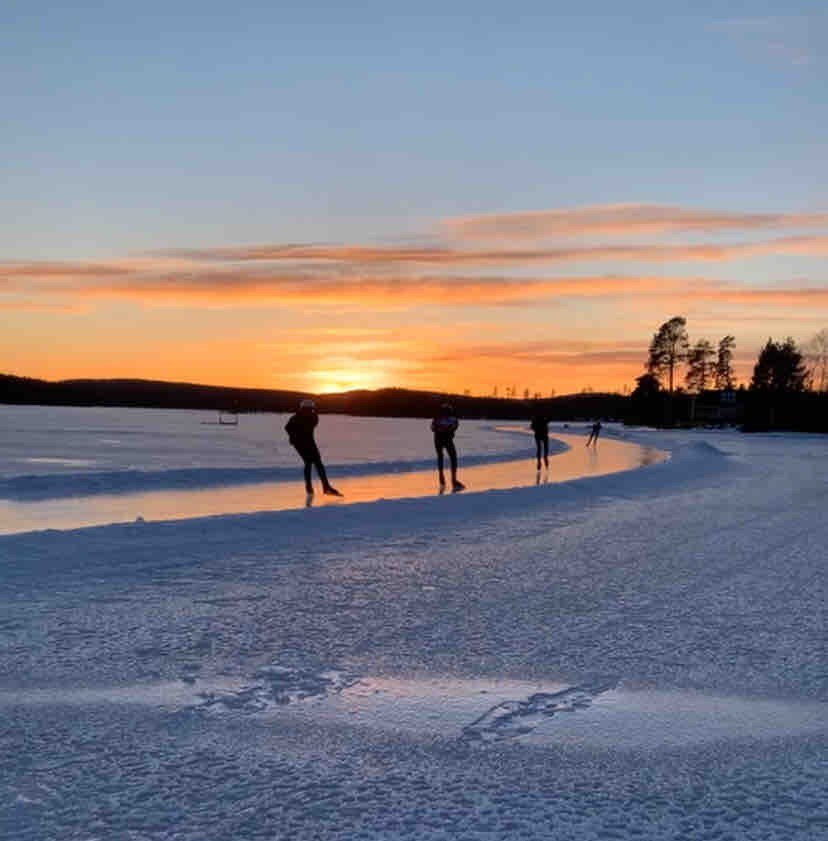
377	256
386	276
807	296
248	285
619	220
563	351
243	286
39	305
59	270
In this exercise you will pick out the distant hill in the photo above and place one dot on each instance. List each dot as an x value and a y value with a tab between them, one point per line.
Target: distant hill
151	394
386	402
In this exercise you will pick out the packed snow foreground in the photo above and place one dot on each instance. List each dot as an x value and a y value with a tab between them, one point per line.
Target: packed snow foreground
638	655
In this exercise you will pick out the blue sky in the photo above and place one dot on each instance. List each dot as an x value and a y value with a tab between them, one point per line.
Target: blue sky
135	128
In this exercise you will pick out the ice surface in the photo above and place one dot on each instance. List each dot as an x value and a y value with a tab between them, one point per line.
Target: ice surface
41	449
569	460
636	655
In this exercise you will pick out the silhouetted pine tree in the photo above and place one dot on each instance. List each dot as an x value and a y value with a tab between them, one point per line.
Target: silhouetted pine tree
779	368
724	363
667	349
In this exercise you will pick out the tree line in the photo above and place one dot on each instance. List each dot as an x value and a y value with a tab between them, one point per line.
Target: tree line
781	366
788	386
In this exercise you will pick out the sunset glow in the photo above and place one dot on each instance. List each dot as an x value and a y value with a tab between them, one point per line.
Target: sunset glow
479	231
435	317
347	377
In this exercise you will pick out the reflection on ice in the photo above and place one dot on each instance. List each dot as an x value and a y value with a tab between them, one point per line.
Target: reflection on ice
648	718
600	714
443	706
477	711
74	512
174	693
61	462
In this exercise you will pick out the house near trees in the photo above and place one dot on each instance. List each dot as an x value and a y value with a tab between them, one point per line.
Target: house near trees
718	407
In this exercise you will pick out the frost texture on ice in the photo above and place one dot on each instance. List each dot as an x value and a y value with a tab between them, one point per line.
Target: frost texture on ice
426	669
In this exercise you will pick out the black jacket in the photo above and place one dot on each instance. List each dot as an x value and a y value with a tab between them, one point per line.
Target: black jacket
540	426
444	427
300	429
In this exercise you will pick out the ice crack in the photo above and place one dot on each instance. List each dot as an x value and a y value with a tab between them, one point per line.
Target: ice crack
510	719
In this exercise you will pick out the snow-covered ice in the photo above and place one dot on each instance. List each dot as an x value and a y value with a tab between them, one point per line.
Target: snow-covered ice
633	655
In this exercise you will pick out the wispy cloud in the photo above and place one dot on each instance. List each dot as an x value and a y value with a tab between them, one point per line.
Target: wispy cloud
244	285
457	270
439	273
619	220
345	256
65	270
794	40
556	350
36	305
804	296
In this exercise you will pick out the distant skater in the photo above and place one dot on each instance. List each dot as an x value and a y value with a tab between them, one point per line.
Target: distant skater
540	426
594	433
444	426
300	429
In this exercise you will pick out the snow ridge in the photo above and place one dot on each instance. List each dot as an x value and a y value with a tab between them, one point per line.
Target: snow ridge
32	487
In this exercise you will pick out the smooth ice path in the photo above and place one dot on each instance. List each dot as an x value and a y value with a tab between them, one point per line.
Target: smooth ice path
576	462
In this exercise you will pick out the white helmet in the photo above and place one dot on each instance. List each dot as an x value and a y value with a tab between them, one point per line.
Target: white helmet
307	404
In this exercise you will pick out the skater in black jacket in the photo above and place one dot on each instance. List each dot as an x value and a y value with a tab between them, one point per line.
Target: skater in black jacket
444	426
300	429
540	426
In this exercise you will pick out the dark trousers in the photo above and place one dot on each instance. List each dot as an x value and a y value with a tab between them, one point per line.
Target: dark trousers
542	444
448	446
311	457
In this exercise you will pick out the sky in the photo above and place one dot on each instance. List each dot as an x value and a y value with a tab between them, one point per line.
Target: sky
454	196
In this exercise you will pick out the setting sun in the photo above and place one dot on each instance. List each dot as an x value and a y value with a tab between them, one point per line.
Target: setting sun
347	378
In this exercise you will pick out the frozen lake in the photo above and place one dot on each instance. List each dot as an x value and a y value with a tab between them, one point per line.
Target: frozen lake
638	654
66	468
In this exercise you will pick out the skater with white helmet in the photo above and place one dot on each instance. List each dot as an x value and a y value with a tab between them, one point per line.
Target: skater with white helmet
300	430
444	426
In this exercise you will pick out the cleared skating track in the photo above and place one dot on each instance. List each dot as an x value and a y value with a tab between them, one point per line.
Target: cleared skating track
576	462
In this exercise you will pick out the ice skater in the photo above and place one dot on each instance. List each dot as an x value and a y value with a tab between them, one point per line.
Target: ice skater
594	433
300	429
444	426
540	426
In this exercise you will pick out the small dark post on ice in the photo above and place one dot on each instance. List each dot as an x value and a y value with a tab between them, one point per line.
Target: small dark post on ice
300	429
